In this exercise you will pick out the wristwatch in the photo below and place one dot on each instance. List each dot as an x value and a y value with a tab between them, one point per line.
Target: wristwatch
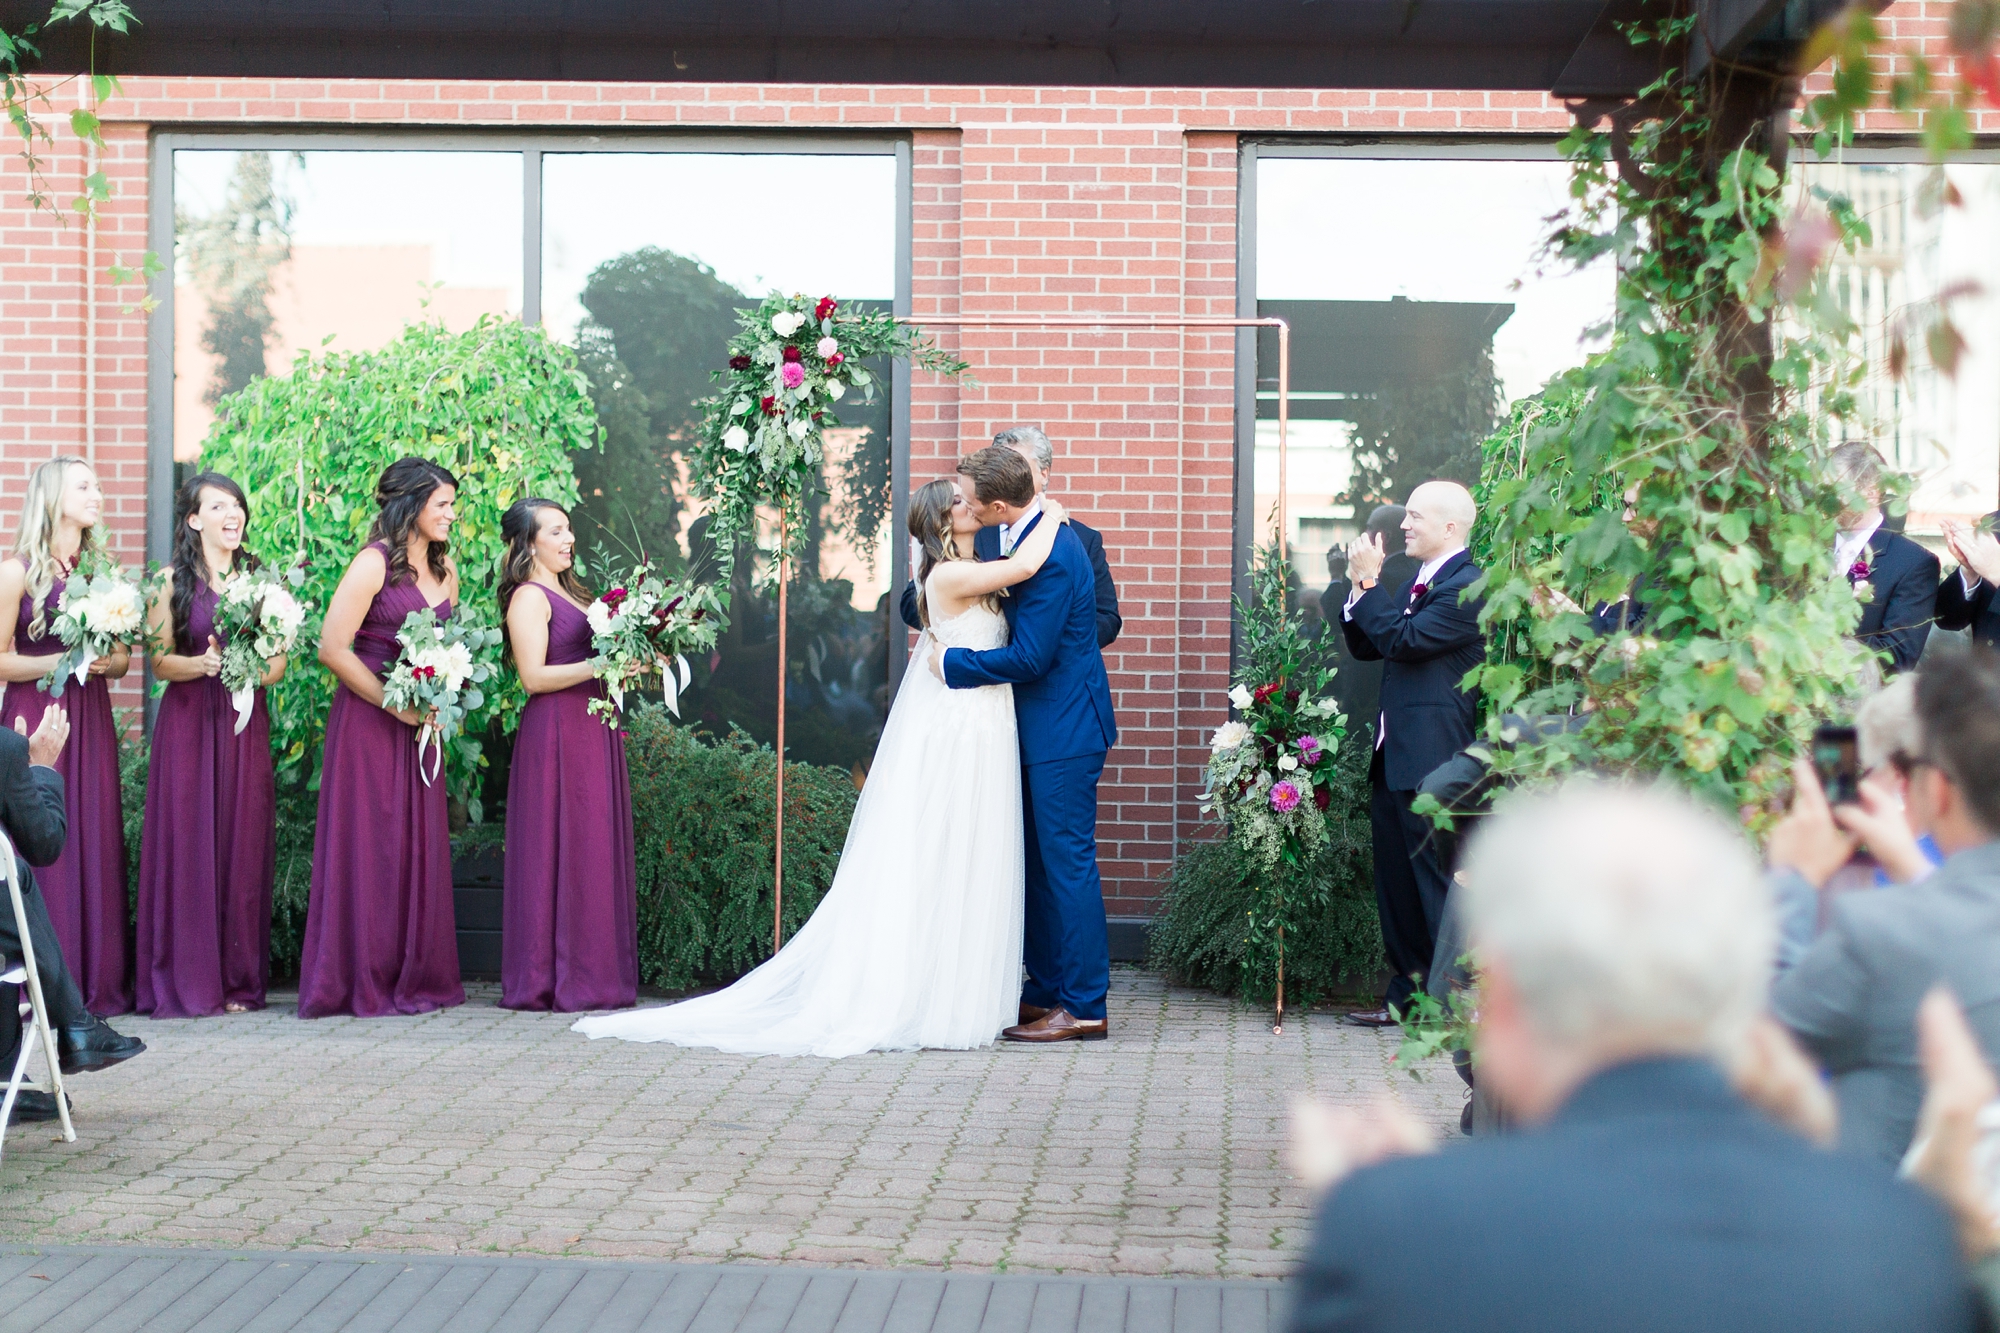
1367	585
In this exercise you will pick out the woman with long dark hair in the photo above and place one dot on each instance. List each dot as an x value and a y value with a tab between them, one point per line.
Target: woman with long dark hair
209	850
85	888
570	929
380	934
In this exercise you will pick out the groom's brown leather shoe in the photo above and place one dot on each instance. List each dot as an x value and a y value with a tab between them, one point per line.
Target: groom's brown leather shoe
1031	1013
1057	1025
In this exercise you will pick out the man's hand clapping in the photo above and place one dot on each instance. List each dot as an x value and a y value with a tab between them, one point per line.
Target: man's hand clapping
1364	557
1975	550
46	745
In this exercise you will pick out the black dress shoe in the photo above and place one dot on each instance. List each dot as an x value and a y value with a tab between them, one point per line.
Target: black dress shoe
31	1106
93	1045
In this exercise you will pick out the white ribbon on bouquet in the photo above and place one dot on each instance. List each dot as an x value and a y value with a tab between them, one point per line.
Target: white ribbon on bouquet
670	692
83	665
243	701
428	737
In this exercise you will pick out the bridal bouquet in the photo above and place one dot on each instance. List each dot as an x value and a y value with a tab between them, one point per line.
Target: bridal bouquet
437	677
648	624
100	607
257	618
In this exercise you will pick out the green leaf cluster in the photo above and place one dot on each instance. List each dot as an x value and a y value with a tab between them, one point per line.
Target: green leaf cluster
1682	468
500	404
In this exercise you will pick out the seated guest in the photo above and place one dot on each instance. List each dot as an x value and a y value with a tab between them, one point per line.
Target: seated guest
1965	599
31	810
1617	973
1902	576
1852	999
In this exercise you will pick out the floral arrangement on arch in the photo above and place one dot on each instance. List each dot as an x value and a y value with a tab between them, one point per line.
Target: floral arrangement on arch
762	438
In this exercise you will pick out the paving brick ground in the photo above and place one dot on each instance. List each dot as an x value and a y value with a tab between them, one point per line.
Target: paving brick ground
477	1130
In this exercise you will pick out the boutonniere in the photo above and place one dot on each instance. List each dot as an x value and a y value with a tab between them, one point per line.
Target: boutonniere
1858	572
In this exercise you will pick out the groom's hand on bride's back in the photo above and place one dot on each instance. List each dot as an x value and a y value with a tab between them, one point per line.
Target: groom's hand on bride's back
937	661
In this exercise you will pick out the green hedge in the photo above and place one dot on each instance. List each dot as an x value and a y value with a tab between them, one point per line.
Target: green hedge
702	808
1198	936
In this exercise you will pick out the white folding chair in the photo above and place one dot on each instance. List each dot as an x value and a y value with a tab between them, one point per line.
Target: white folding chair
34	1012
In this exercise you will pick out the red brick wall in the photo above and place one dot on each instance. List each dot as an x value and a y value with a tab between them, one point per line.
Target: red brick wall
1061	201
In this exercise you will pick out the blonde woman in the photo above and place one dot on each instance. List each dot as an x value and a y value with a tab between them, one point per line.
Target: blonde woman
85	888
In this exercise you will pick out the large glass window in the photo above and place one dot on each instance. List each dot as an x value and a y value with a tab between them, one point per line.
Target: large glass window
1419	309
640	260
646	257
1943	430
279	252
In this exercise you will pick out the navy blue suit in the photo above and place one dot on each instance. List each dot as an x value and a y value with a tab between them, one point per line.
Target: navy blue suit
1062	706
986	546
1897	620
1426	645
1655	1200
1978	610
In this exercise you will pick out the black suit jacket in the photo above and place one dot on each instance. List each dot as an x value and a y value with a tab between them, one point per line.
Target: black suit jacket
1897	620
1655	1200
31	808
1425	648
1978	610
986	545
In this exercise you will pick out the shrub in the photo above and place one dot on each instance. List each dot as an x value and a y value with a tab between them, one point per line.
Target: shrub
1200	937
702	809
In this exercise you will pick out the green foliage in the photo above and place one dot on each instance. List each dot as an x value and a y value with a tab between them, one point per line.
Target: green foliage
1731	516
500	404
703	812
233	255
1333	944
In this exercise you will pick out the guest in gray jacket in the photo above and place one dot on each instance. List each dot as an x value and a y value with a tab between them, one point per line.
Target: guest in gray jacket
1852	999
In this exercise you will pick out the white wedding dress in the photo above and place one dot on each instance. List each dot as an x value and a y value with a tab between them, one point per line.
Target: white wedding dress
918	941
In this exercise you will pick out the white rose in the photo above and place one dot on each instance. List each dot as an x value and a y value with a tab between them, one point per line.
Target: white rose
736	439
457	665
786	323
1228	736
827	347
599	616
1240	696
799	428
834	388
1286	763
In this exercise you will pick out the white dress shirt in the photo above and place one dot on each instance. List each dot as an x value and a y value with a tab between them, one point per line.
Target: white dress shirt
1425	573
1008	531
1852	545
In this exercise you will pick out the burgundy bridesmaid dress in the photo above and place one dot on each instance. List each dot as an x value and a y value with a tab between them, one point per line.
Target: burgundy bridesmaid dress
380	934
209	852
85	888
570	924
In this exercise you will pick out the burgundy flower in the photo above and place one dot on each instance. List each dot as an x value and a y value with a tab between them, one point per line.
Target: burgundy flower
1322	797
770	405
818	415
1291	697
423	673
834	360
1417	590
792	353
1858	572
668	608
615	598
1264	692
739	363
827	305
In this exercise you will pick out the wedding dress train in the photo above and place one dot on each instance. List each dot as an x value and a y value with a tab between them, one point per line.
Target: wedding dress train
918	941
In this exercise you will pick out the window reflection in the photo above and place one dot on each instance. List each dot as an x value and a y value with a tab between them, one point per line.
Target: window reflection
646	259
276	253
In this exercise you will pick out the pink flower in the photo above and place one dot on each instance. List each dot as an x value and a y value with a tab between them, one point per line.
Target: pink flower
1858	571
1309	750
1284	797
827	347
793	374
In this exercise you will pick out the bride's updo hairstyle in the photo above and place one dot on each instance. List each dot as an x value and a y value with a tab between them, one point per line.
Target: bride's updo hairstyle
930	528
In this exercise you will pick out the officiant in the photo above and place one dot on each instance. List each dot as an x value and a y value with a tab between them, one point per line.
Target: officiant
1032	443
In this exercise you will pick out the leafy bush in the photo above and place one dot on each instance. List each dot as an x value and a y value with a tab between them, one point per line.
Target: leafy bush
702	809
500	404
1201	938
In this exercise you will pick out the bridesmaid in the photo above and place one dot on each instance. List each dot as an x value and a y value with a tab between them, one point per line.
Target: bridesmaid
569	939
209	851
380	934
85	888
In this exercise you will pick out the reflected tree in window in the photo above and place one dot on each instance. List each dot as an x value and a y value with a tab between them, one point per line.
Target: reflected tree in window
233	254
1412	430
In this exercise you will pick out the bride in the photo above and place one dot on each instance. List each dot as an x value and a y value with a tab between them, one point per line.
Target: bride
918	941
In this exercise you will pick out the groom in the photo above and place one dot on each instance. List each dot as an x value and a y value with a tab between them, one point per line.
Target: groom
1062	705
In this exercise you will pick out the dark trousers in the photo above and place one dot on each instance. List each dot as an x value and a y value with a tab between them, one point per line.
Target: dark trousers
59	989
1410	885
1066	944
